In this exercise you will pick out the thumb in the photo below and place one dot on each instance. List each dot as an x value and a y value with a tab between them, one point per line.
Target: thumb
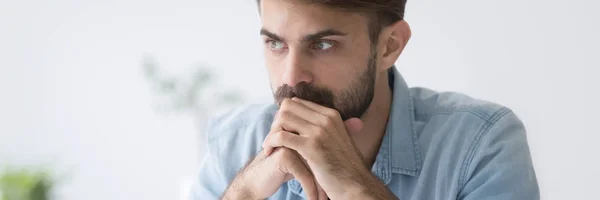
353	125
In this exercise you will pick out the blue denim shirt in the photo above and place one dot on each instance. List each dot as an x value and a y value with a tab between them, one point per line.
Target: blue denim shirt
436	146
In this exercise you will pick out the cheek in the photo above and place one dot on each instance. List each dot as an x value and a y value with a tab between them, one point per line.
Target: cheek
334	80
274	73
336	71
339	75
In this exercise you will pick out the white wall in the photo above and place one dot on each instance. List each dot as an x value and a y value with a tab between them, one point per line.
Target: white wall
73	94
535	56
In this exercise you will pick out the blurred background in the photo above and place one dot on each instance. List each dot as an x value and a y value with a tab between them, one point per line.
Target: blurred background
109	99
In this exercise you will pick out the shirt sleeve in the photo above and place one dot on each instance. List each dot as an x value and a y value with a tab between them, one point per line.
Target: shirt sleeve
211	181
501	166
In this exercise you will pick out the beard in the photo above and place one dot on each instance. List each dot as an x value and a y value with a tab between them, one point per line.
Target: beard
352	101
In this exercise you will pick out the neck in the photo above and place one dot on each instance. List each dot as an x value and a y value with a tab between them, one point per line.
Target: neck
375	120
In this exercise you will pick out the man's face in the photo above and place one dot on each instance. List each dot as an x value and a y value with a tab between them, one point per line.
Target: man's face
318	54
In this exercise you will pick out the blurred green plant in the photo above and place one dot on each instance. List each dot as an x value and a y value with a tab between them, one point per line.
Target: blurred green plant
197	92
26	184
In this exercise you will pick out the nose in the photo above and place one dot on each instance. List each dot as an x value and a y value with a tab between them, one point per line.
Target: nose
296	69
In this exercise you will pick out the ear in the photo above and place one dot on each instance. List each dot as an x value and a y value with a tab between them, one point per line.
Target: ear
393	39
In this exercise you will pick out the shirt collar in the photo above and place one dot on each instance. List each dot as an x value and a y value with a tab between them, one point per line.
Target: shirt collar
400	133
399	152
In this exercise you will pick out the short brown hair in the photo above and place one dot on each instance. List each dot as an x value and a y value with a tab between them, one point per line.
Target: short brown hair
381	13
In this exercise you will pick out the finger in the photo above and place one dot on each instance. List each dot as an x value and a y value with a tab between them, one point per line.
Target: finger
307	113
330	112
322	194
330	117
289	120
304	176
353	125
285	139
274	128
268	150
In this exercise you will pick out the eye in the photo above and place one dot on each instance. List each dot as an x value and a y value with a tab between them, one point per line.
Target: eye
322	45
275	44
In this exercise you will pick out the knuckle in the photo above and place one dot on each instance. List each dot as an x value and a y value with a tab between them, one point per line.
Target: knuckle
287	156
286	153
319	131
333	114
327	121
314	145
284	114
278	136
280	154
286	103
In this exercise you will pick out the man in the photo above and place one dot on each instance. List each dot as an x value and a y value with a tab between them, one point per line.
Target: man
346	126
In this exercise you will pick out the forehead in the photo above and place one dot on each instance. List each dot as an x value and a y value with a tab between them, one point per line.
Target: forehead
290	19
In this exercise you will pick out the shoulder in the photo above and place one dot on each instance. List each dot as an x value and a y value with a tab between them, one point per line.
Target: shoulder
470	116
429	103
461	113
465	126
458	123
241	119
235	137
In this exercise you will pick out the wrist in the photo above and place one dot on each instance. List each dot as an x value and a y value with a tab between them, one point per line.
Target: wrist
358	186
368	186
358	190
238	189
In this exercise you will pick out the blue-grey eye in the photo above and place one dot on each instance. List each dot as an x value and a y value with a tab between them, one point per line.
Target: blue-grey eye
276	45
322	45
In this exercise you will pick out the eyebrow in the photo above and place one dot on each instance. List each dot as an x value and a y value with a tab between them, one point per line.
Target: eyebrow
307	38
